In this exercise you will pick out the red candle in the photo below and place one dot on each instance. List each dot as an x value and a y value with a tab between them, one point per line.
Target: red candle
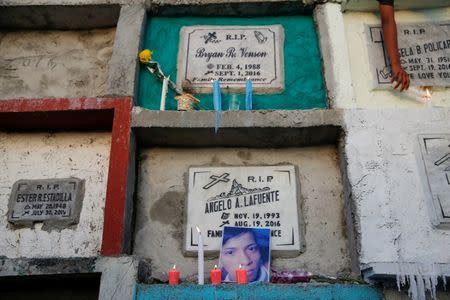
241	275
216	276
174	276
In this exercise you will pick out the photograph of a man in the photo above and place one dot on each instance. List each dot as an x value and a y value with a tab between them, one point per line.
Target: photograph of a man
248	248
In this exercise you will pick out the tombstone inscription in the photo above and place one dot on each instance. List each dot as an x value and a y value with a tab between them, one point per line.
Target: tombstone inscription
231	54
52	201
424	51
435	162
265	196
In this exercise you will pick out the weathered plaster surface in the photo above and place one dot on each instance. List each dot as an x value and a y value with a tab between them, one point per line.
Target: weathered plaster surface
123	67
335	56
55	155
38	64
387	188
162	192
359	62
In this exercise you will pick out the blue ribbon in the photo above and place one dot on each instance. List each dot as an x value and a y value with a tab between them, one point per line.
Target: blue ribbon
248	95
217	100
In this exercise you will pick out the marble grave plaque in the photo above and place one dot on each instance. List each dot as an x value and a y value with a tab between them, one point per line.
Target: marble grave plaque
55	202
265	196
231	54
424	53
435	162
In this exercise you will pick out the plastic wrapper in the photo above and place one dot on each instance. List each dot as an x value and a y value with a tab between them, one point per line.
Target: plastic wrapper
290	276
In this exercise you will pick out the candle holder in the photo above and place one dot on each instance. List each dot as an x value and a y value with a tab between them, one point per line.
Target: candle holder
216	276
241	275
174	276
233	103
186	102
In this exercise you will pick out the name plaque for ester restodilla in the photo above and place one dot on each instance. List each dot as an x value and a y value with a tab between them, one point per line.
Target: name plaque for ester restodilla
265	196
231	54
52	201
424	51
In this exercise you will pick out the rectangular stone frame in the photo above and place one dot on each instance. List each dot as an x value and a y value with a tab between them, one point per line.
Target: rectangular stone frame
88	114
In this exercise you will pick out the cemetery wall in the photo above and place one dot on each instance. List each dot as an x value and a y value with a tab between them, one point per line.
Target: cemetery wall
55	155
388	188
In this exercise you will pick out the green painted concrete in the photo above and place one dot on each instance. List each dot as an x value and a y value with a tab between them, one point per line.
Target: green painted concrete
259	291
304	87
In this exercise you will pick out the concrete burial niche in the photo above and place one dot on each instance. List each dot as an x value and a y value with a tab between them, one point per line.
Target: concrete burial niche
35	156
275	51
161	210
51	63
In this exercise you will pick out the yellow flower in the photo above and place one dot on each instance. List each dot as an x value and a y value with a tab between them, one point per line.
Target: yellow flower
145	56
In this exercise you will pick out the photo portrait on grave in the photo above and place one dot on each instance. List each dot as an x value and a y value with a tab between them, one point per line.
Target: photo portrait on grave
399	77
246	248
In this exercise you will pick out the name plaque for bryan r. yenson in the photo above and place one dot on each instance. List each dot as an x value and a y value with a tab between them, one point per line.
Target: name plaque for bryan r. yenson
259	196
231	54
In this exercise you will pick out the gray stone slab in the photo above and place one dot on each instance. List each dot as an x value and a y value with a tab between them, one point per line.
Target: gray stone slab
231	54
424	53
56	202
434	160
247	196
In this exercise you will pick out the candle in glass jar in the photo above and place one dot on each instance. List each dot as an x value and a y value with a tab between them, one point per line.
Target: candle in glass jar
174	276
216	276
241	275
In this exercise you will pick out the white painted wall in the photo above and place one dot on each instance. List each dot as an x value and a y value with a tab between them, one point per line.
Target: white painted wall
57	155
39	64
387	187
365	97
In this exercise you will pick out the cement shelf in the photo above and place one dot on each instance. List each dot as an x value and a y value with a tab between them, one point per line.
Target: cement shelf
261	128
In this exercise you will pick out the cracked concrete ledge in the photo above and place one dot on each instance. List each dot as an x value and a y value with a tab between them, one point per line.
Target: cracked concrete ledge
386	271
262	128
256	118
118	274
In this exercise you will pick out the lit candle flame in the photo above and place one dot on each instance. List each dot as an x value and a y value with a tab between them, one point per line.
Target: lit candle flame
198	229
174	267
240	266
215	267
428	93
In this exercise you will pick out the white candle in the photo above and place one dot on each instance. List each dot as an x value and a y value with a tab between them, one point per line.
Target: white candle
201	262
164	93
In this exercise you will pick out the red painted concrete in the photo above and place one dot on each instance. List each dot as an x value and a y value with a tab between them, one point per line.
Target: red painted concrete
85	113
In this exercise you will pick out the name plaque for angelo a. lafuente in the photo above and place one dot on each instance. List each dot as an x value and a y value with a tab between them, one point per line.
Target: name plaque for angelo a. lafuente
259	196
